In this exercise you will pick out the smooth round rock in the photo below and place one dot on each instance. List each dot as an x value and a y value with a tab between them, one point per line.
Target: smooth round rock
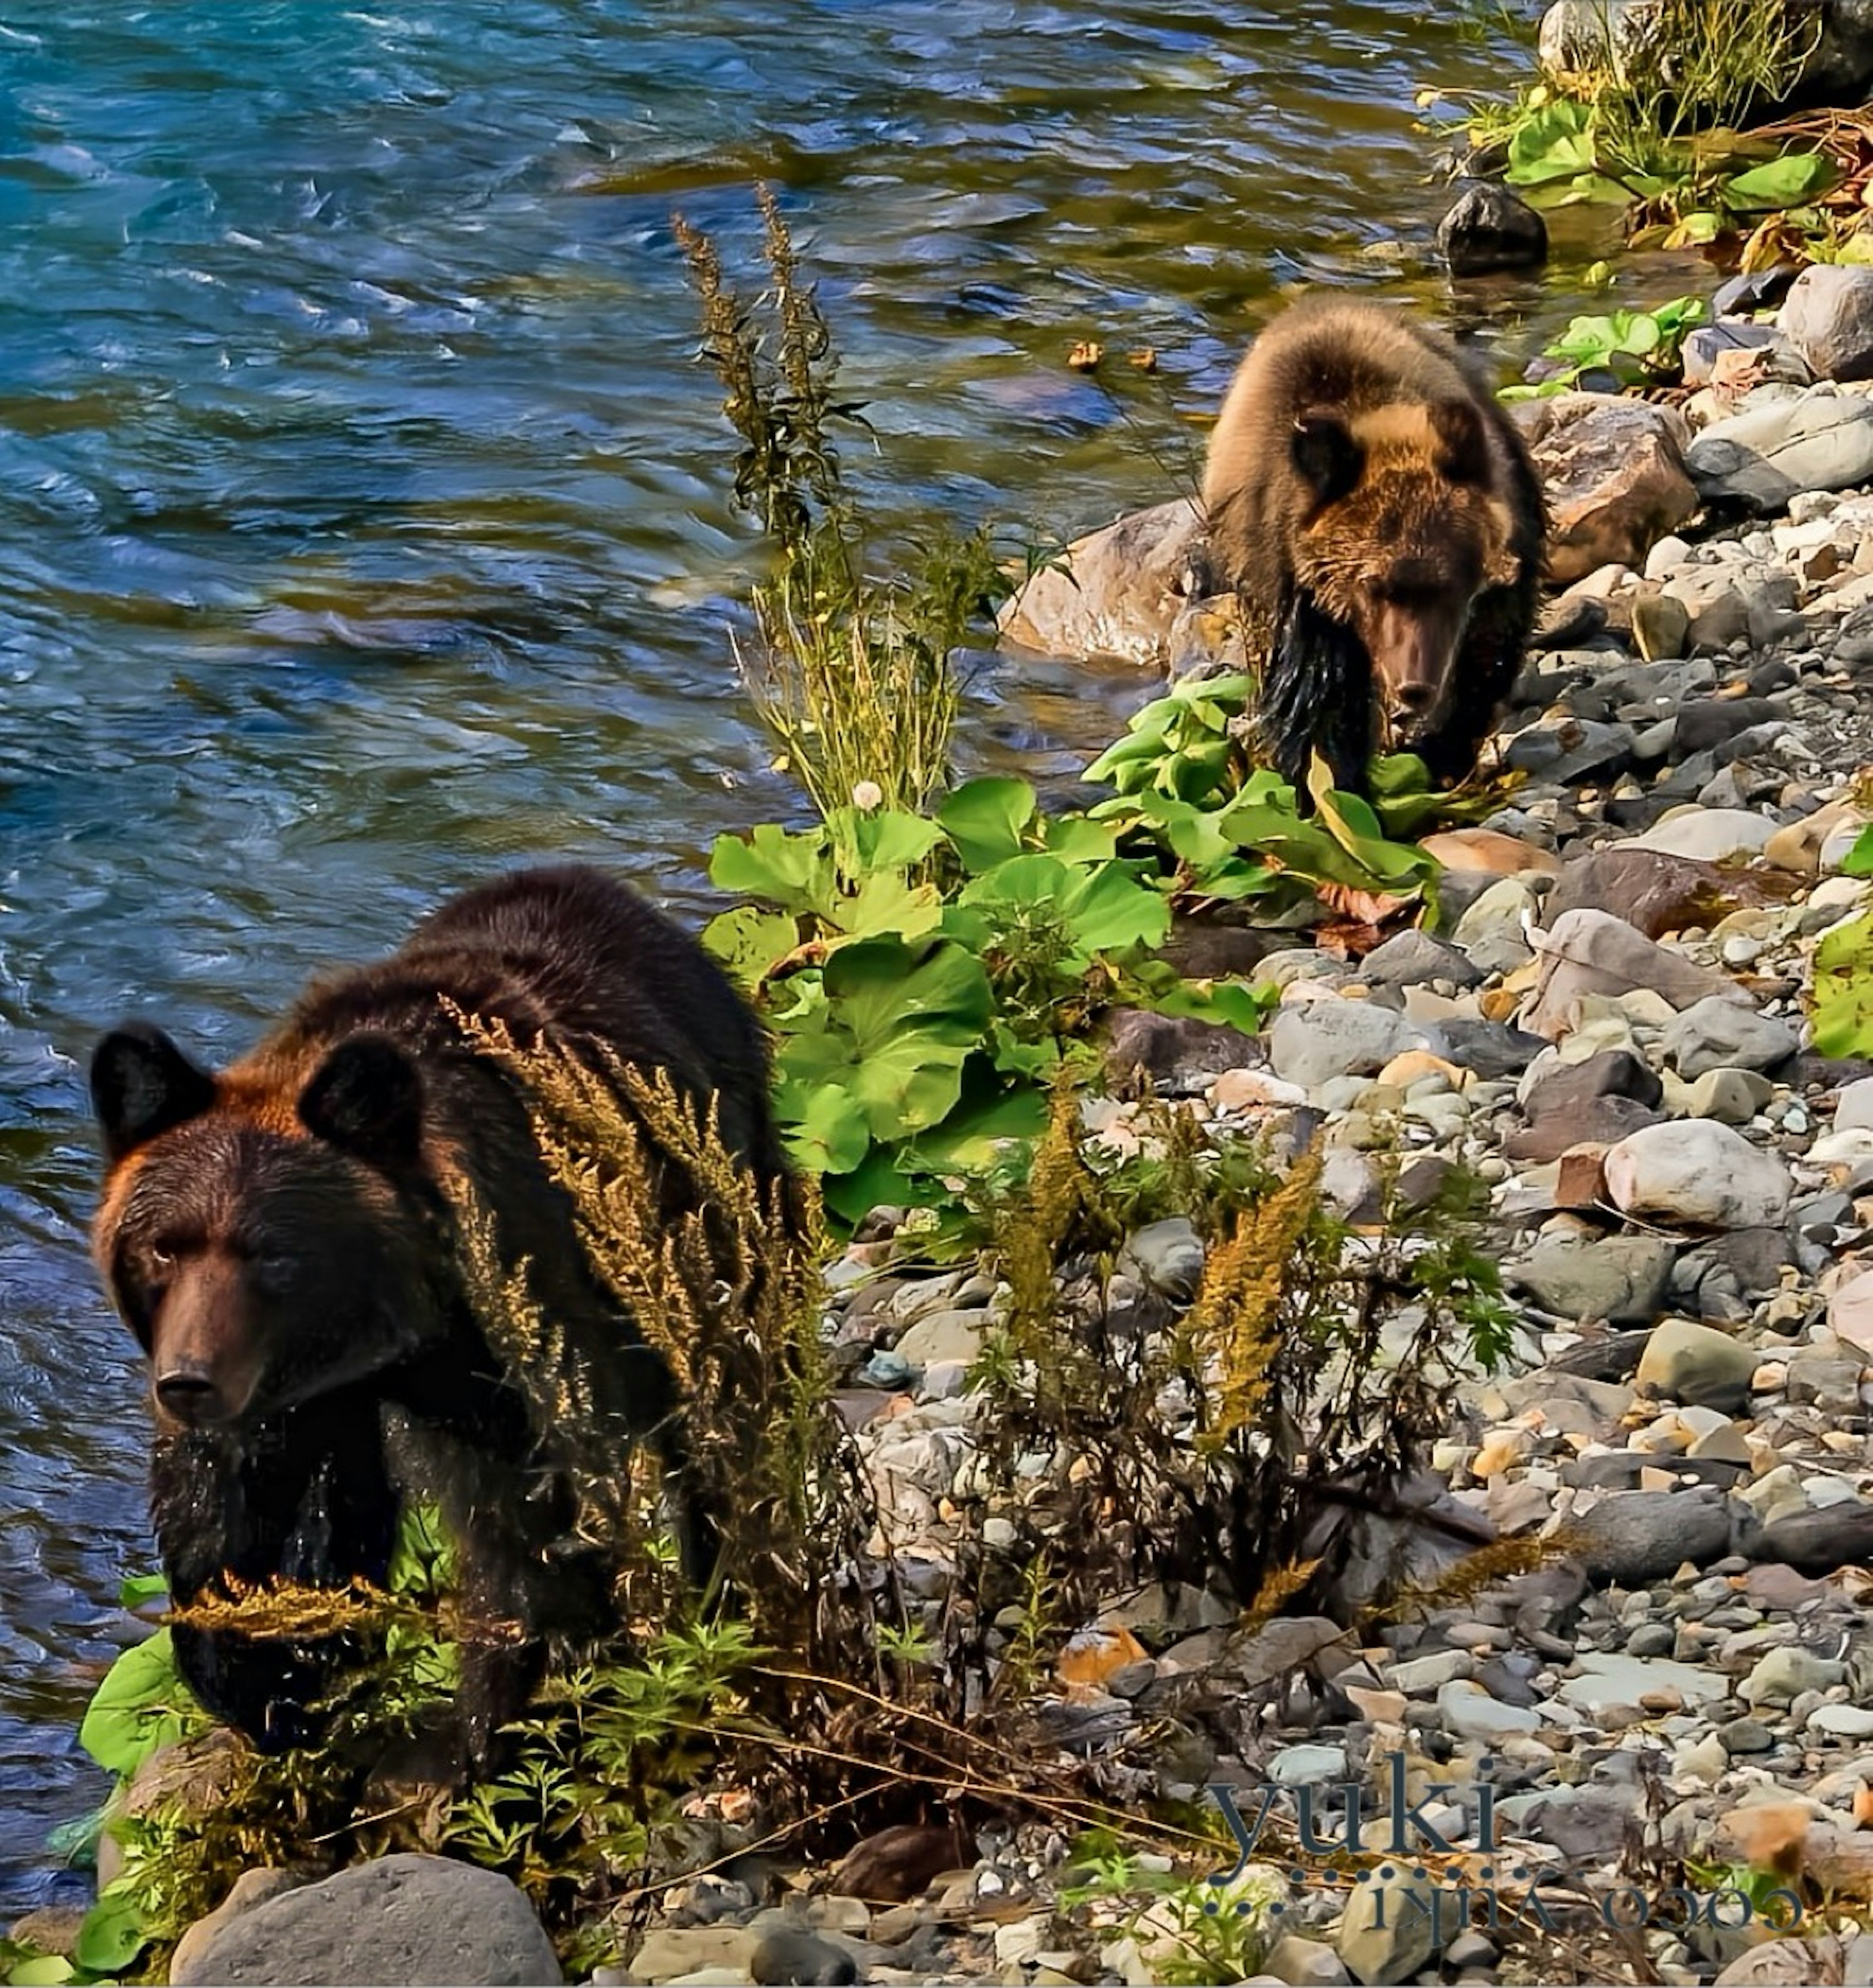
1698	1172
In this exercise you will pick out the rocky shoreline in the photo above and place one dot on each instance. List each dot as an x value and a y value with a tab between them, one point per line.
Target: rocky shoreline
1607	1025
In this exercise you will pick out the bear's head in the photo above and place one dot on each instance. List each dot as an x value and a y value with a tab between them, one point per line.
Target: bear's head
267	1238
1401	528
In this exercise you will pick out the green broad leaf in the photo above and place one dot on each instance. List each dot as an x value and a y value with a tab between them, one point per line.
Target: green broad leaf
986	820
43	1970
142	1705
878	1182
1133	751
1196	772
423	1558
1787	181
885	902
883	840
1226	1002
1076	838
1842	999
1858	861
136	1589
1026	1063
112	1935
1394	774
912	1021
1232	691
1349	819
1694	230
1640	334
1109	909
1556	143
793	871
824	1127
972	1138
750	942
1857	250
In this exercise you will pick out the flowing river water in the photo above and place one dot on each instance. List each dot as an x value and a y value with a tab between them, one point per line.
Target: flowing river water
363	518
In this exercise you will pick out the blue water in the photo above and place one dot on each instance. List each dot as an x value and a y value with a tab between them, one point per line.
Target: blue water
363	517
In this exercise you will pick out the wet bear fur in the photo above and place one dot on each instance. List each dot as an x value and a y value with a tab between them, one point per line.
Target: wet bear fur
279	1238
1378	515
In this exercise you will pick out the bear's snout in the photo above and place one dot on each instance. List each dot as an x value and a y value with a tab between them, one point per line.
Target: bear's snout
206	1353
188	1392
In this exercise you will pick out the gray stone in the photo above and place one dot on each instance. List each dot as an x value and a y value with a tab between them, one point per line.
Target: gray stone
1119	593
1716	610
1491	933
1827	317
1590	952
251	1888
1781	1676
1698	1365
1723	1033
1388	1931
1661	625
1411	958
796	1955
1168	1254
1305	1963
1311	1042
1633	1537
408	1920
1488	227
1731	1097
1606	1679
1471	1713
942	1335
1772	353
1764	456
1699	1173
1709	835
1623	1279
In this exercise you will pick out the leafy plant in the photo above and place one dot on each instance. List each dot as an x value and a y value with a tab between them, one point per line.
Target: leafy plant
925	976
850	672
1654	121
1637	347
1187	782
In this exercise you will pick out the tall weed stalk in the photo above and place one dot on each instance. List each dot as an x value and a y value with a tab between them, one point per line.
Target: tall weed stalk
851	674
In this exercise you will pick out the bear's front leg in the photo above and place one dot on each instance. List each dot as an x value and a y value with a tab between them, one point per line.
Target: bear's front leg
292	1500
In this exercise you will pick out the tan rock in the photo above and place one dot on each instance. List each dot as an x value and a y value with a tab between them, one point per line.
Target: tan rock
1614	474
1120	595
1484	849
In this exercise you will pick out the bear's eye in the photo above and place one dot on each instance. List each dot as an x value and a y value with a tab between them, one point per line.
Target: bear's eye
273	1270
161	1261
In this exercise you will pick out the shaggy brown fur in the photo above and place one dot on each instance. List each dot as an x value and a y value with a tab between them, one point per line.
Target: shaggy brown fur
1380	517
281	1239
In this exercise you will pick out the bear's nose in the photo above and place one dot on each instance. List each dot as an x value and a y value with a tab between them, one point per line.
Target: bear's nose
1416	697
188	1394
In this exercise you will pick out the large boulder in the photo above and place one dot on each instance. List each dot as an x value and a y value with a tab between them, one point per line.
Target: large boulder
1613	470
1821	440
1827	317
1121	591
405	1921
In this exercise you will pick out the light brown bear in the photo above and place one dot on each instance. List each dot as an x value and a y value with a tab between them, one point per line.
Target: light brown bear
1380	517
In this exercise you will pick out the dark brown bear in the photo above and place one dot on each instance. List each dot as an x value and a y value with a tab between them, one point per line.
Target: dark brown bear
280	1239
1379	516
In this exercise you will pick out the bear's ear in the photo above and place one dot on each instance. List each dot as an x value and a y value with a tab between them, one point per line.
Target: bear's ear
1326	456
367	1099
141	1086
1465	457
